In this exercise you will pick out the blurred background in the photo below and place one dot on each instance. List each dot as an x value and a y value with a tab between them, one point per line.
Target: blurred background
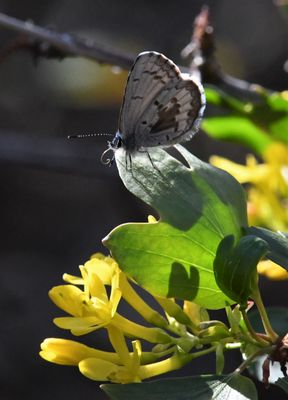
57	200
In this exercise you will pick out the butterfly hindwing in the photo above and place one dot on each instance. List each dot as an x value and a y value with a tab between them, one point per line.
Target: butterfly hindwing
173	116
150	72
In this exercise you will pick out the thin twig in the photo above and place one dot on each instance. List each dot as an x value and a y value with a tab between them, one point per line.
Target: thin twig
200	53
66	44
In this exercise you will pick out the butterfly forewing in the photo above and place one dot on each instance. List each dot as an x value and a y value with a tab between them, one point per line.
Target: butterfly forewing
150	73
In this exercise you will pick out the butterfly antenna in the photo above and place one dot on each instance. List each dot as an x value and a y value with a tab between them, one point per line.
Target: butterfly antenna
81	135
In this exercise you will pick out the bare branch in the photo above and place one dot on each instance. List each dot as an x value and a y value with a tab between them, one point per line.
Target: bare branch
200	51
65	44
201	55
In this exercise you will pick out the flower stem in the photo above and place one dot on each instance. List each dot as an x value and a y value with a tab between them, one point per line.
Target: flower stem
251	330
264	317
248	360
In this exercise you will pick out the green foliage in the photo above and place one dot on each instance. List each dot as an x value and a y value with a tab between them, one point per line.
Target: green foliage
235	266
283	383
198	206
277	243
216	387
255	125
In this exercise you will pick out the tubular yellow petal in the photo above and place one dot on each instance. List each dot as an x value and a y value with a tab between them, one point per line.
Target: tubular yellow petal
161	367
96	287
118	342
152	335
97	369
196	313
103	268
78	325
69	298
74	280
69	352
133	298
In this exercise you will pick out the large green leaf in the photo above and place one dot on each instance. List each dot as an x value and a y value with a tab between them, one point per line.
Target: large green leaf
277	244
216	387
199	205
235	266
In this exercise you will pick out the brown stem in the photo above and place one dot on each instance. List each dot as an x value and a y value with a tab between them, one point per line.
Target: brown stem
66	44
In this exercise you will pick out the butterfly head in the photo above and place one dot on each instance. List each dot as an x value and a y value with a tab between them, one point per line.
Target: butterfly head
115	144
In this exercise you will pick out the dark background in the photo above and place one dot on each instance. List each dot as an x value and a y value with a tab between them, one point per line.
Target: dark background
57	200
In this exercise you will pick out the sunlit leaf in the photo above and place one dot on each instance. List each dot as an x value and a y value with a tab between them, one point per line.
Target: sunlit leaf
199	205
254	124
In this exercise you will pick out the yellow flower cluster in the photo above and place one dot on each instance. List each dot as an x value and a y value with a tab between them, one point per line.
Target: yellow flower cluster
92	303
267	193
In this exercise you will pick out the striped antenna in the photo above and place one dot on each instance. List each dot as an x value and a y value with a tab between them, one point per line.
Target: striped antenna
85	135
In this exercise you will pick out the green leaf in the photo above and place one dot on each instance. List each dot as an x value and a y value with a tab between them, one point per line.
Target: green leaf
198	205
277	244
216	387
237	129
283	383
235	266
254	124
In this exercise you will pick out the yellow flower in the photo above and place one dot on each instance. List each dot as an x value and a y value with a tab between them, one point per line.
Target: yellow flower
93	308
69	352
268	191
101	370
272	270
196	313
127	372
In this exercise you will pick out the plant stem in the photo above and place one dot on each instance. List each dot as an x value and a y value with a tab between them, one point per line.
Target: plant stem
264	317
258	353
258	339
203	352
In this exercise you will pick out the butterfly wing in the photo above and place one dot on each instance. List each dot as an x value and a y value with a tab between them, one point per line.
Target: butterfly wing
161	106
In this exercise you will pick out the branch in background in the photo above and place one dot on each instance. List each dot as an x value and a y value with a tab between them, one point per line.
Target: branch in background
44	42
200	53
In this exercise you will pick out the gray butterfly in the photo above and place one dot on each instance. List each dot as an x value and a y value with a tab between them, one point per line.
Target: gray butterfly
161	106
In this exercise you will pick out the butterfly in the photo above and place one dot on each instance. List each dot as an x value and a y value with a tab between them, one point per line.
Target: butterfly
161	106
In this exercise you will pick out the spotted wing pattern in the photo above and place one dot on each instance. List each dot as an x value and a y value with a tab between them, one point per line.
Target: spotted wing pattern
161	106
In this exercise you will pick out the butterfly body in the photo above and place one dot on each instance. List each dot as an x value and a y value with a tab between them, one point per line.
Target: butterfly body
161	106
